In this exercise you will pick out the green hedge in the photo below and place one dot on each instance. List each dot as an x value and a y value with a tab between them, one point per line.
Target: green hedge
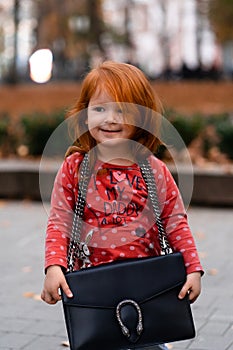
33	130
215	130
38	128
8	135
225	131
4	123
189	127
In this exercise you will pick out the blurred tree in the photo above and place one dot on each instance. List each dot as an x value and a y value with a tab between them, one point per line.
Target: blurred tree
13	73
221	16
202	11
52	30
97	27
15	39
75	31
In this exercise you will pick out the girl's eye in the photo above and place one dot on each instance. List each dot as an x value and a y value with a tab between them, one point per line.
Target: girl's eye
99	109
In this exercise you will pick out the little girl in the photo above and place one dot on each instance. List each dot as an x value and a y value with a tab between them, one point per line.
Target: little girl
116	119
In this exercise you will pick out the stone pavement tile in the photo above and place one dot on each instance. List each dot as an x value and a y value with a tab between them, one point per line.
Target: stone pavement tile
201	315
211	342
205	304
229	333
46	343
13	340
215	328
16	324
15	310
199	323
1	335
230	330
43	311
179	345
45	327
223	314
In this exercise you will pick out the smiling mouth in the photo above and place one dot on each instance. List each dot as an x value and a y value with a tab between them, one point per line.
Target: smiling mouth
110	131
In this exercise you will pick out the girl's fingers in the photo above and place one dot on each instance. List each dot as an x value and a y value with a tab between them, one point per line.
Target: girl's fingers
50	298
54	281
183	291
191	286
193	294
66	289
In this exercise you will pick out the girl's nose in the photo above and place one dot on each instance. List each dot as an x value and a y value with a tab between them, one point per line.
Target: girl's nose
114	114
112	117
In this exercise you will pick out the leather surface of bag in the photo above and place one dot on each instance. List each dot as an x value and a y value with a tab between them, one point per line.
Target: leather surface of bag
128	304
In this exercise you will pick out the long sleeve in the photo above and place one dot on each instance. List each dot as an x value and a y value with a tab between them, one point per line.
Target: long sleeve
61	214
174	217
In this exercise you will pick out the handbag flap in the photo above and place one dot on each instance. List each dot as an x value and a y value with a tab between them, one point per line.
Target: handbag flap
108	284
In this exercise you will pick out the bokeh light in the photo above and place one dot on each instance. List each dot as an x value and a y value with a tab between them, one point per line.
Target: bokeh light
41	65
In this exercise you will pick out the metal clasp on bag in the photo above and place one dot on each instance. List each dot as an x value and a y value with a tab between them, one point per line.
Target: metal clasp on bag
124	329
83	251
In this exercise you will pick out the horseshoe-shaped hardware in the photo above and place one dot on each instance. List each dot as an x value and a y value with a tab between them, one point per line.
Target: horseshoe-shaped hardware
124	329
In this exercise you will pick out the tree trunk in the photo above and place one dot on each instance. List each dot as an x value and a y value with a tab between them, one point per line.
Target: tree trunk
13	72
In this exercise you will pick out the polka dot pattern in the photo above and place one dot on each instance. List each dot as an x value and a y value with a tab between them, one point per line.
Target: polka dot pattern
125	208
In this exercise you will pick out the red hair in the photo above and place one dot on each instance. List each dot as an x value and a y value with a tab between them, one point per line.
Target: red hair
126	84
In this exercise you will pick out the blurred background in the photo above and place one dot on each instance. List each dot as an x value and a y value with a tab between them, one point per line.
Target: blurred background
185	47
172	39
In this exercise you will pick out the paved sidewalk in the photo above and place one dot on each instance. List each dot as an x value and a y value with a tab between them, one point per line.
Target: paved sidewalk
26	323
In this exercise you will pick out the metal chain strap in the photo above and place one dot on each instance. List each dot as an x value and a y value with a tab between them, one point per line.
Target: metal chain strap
149	179
81	201
78	214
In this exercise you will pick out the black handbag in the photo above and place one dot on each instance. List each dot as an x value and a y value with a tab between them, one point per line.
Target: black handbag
129	304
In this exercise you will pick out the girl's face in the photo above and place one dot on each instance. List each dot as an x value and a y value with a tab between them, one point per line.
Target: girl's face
106	121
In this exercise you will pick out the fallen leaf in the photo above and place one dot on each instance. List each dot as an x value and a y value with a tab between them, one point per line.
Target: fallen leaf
2	203
28	294
65	343
212	272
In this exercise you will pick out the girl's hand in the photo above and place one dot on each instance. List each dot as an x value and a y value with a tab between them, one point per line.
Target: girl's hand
191	286
54	280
